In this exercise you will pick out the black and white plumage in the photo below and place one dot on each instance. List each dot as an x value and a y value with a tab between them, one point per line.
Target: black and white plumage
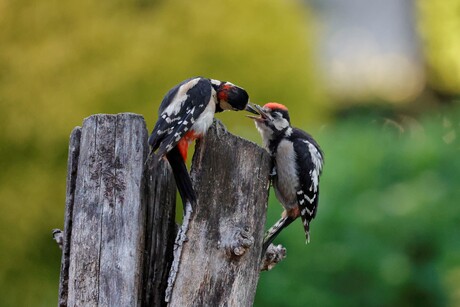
298	163
185	114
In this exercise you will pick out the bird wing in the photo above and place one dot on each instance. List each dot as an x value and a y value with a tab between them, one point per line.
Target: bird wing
180	107
308	157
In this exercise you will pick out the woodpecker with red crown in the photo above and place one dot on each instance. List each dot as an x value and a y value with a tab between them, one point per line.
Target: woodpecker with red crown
185	114
297	166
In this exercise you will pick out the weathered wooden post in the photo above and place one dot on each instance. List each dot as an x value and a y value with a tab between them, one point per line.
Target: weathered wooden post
119	223
119	220
220	263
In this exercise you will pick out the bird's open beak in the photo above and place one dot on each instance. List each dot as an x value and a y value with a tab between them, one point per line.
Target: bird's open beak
256	109
251	109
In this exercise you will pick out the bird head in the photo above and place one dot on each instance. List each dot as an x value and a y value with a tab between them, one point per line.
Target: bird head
231	97
272	120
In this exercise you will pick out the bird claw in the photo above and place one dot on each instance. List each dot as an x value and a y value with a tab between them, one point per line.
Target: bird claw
58	236
273	255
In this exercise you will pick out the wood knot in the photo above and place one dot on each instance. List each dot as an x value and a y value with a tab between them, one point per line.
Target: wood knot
242	240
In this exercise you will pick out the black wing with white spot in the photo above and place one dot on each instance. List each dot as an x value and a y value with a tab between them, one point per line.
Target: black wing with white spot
309	160
179	109
170	95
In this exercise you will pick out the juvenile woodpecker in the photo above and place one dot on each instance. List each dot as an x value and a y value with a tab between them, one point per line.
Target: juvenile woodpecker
185	114
297	165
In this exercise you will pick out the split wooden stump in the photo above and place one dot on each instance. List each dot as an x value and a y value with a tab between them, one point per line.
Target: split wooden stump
119	228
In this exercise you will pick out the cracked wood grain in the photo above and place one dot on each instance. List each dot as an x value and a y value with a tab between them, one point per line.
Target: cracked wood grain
220	261
113	204
72	164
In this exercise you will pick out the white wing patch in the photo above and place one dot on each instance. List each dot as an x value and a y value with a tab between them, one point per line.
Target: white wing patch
315	156
181	96
317	160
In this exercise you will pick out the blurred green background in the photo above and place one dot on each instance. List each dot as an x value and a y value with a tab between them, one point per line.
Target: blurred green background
379	94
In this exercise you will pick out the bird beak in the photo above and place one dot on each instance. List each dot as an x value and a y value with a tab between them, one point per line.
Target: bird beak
251	109
256	109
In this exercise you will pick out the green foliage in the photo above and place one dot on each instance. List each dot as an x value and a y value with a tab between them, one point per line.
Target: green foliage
386	233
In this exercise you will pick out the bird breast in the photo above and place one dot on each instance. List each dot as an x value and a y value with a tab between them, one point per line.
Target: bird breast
285	181
204	121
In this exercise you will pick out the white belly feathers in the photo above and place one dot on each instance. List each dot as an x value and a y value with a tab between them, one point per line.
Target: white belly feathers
285	183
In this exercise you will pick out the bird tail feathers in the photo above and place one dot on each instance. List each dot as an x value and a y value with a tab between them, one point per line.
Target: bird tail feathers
181	176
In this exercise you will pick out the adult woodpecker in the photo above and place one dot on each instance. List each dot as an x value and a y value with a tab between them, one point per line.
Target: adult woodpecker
185	114
297	165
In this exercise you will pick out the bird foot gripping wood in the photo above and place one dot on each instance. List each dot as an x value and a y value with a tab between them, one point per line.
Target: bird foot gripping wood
273	255
58	236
